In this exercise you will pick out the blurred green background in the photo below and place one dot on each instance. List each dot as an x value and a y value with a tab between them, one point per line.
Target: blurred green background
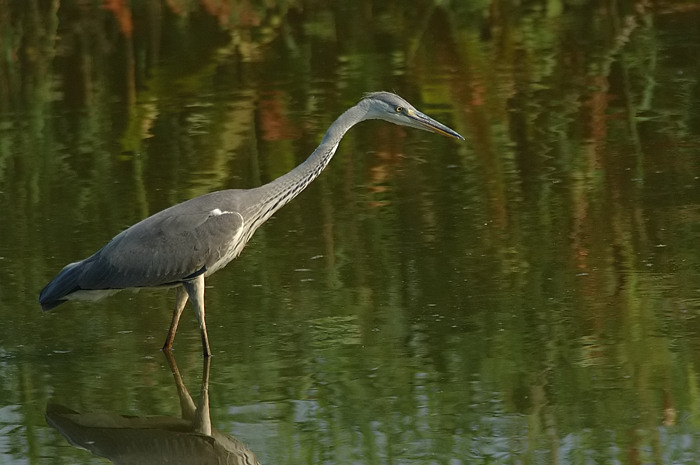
528	296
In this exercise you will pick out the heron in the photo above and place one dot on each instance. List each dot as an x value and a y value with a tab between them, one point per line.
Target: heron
188	242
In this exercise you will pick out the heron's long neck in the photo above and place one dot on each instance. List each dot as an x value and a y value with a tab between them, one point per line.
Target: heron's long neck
276	194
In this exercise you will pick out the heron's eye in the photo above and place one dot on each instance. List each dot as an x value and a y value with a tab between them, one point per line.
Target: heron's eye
399	109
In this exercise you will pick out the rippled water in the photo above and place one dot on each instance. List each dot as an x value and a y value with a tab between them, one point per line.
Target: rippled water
527	296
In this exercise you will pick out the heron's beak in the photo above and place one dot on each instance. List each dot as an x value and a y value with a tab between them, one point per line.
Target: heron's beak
427	123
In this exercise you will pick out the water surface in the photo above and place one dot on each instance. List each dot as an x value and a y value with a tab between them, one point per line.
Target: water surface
528	296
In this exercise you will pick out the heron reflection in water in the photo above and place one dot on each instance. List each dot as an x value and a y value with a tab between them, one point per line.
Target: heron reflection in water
182	245
158	439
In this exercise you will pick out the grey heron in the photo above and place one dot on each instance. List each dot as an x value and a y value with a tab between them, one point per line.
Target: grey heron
184	244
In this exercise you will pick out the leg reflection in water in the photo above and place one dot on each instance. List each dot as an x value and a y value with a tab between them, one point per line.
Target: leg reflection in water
153	440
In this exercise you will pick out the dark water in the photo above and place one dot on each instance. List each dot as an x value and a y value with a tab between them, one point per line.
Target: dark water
528	296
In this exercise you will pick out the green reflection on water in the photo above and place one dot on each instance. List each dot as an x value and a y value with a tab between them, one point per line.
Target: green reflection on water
528	297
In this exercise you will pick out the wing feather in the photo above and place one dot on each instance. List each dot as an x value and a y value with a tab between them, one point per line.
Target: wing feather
168	247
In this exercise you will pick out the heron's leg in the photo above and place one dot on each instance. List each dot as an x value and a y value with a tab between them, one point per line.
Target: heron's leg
180	301
195	289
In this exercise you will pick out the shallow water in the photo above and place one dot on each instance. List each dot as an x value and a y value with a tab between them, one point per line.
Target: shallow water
527	296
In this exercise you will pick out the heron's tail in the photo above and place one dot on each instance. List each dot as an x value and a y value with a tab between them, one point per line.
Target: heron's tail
66	282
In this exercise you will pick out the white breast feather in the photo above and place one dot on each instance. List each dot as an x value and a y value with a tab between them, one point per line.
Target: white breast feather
233	248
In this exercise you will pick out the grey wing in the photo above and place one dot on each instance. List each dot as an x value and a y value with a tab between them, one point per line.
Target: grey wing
168	247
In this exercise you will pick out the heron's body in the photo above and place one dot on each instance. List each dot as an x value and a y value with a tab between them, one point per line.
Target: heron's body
183	244
195	237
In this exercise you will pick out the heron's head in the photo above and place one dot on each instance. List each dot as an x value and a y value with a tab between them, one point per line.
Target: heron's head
392	108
